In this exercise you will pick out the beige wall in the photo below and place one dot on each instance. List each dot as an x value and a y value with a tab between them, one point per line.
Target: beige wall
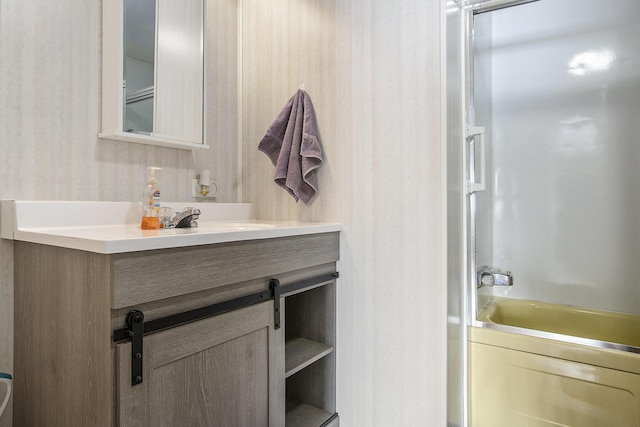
50	67
373	71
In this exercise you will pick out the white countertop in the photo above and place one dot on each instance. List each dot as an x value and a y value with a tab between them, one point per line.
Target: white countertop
113	227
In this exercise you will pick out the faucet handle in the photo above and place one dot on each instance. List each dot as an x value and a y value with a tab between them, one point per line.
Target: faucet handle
191	211
486	279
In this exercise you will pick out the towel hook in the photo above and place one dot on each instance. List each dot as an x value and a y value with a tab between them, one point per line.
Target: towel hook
302	87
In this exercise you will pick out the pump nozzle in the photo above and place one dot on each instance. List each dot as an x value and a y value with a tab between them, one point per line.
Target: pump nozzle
151	174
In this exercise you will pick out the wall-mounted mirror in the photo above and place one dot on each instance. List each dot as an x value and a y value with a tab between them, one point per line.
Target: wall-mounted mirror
153	72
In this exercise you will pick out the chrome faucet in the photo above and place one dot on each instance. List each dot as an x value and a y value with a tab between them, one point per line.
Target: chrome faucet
185	219
488	276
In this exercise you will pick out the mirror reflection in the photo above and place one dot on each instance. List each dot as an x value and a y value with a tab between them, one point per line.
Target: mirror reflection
163	68
139	60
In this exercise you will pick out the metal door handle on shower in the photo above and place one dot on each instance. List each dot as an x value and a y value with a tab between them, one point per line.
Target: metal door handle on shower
473	186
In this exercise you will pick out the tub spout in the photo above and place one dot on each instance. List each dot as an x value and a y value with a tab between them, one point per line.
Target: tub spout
488	276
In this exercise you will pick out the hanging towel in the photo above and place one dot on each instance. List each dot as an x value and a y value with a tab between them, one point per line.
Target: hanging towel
292	144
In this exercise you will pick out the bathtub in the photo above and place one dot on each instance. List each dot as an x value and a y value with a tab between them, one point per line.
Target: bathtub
539	364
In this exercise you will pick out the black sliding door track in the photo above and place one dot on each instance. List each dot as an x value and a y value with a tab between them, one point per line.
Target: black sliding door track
212	310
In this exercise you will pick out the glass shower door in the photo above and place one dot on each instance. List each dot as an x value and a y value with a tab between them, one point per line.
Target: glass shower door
556	85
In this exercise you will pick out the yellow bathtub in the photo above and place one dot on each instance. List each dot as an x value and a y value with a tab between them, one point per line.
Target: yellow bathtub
539	364
605	326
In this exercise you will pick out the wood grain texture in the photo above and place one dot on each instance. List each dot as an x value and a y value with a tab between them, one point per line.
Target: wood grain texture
213	372
182	303
62	346
301	352
153	275
374	72
315	385
311	316
6	319
305	415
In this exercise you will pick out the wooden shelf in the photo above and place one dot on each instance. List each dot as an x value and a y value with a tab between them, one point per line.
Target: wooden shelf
306	416
301	352
310	371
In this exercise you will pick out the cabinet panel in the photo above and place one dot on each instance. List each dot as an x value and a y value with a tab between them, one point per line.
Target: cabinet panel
158	309
62	347
193	269
224	370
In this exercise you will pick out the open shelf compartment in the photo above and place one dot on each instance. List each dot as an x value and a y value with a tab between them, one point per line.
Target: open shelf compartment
309	357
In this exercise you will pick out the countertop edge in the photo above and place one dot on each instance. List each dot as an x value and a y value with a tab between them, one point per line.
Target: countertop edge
109	247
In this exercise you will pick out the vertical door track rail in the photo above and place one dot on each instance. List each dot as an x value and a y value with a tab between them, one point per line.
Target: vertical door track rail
136	326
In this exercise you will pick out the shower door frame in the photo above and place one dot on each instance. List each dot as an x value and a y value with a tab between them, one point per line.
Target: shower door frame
472	8
461	257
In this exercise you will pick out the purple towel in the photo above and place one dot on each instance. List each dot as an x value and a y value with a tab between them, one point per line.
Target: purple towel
292	144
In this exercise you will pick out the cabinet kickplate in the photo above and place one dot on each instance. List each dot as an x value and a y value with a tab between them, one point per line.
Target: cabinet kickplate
135	322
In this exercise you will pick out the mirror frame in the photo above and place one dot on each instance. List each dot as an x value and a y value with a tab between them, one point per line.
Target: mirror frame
112	83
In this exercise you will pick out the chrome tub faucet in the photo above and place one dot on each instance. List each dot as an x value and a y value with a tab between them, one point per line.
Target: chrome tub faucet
488	276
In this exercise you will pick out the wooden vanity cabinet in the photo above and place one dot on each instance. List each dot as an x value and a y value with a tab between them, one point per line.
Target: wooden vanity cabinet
231	369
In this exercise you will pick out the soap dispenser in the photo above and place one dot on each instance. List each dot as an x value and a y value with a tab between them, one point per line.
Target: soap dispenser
151	202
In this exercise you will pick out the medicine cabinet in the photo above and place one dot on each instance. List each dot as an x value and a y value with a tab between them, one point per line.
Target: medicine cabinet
153	72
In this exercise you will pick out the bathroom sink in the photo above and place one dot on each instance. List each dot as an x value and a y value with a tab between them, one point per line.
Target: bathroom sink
225	226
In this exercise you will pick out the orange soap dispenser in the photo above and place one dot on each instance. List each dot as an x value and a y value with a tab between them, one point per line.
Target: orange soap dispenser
151	201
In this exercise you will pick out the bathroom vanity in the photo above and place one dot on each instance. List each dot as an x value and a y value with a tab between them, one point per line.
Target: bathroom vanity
230	324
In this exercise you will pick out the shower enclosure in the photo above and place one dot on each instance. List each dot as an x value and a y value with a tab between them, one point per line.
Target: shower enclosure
551	229
555	87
